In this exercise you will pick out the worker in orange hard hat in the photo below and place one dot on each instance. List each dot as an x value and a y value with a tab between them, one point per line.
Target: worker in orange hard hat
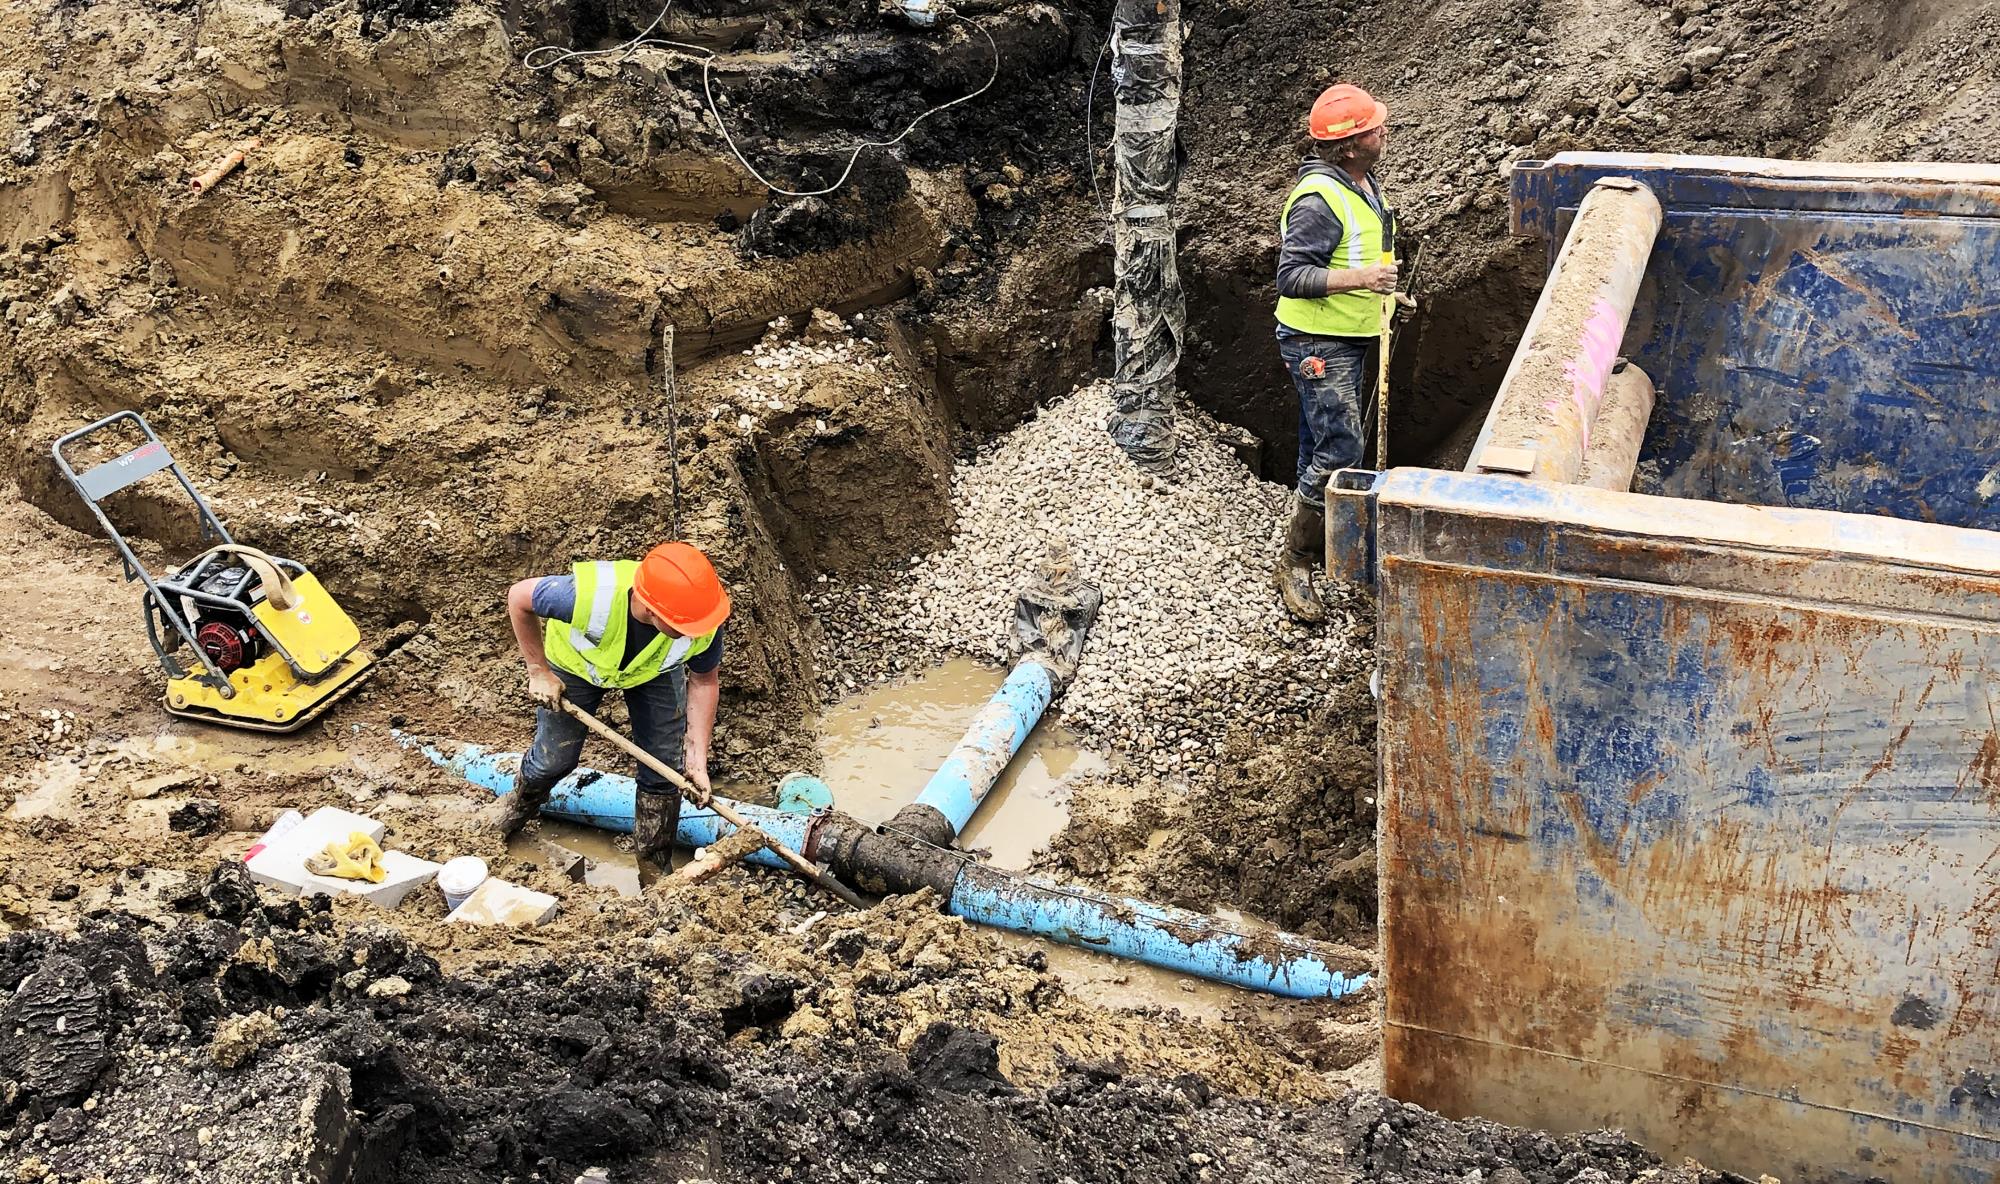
1334	268
651	630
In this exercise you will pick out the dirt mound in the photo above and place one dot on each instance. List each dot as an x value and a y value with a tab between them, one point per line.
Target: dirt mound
365	1060
1283	830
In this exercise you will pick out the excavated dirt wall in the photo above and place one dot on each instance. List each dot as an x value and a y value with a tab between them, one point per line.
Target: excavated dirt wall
1473	86
433	244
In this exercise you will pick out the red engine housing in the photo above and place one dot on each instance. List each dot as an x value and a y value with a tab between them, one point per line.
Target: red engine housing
226	645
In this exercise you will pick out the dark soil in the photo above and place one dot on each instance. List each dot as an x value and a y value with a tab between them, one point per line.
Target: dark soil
1285	833
379	1067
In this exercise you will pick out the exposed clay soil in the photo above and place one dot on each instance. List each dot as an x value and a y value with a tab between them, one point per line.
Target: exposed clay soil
416	343
1284	832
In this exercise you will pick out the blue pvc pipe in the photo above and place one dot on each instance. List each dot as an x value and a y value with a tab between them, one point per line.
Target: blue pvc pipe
991	741
802	793
606	801
1173	939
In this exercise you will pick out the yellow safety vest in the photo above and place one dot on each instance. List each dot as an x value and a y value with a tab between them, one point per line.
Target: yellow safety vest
1343	314
591	644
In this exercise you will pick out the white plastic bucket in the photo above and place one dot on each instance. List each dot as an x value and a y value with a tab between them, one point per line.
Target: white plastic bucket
460	877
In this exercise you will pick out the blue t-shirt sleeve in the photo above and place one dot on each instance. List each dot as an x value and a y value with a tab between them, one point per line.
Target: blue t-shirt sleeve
555	597
707	660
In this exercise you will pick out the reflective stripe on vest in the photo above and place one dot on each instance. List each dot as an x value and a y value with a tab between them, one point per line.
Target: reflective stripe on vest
591	644
1343	314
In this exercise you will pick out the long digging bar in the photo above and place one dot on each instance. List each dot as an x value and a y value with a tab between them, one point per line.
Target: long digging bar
799	863
1377	407
1382	377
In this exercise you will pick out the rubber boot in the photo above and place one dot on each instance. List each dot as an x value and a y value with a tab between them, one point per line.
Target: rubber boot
655	818
510	812
1305	542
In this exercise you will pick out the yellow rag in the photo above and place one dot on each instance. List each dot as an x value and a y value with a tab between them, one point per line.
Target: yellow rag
358	858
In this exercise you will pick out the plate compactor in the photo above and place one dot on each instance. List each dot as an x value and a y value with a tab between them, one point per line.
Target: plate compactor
274	649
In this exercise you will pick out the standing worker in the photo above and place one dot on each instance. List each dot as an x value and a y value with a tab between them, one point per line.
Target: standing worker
1333	272
651	629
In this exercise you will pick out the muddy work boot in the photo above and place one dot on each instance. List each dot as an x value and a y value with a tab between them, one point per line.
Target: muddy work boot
1305	542
509	813
655	818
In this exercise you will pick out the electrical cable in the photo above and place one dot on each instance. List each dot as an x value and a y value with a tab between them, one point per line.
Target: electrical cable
673	420
863	145
1089	140
556	55
561	54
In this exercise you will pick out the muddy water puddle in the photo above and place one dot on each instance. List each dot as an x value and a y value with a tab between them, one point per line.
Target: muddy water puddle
882	745
172	747
608	859
1116	982
879	748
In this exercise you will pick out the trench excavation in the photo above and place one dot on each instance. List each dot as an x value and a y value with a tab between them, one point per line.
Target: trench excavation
418	339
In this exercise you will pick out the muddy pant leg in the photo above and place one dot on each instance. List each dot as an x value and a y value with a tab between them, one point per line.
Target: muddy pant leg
1328	373
558	741
659	725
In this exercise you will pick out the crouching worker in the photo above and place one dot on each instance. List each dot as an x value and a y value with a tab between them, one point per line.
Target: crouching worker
652	630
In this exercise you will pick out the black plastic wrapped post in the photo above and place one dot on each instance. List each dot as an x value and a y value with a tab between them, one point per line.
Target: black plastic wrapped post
1149	316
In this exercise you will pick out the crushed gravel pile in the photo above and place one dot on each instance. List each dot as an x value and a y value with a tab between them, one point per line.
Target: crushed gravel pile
1192	641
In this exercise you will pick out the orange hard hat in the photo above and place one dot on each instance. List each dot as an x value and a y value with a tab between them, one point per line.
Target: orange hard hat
679	584
1345	110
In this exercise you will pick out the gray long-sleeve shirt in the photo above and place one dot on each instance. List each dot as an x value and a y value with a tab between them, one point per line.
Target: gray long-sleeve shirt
1313	231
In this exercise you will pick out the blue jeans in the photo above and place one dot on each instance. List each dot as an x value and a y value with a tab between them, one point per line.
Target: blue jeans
659	726
1331	375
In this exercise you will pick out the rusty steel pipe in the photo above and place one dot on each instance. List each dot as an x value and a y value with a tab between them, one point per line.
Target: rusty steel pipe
1613	455
1542	420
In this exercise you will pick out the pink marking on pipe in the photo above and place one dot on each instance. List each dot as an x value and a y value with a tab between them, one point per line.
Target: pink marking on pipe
1590	369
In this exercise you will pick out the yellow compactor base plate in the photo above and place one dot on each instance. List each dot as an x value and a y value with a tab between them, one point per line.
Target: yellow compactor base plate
268	697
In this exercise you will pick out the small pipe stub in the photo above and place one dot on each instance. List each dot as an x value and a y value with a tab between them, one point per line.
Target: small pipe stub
222	168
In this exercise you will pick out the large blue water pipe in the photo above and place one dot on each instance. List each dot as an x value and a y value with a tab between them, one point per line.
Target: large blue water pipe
607	801
1174	939
989	743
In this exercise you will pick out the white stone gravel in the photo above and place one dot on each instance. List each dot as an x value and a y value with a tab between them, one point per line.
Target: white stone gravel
1192	640
778	369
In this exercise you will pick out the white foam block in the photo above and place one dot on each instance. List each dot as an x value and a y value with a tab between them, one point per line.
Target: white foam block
282	864
497	902
406	872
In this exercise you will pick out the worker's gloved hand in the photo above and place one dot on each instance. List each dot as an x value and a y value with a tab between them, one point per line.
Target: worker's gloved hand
1380	278
698	775
1405	302
545	689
